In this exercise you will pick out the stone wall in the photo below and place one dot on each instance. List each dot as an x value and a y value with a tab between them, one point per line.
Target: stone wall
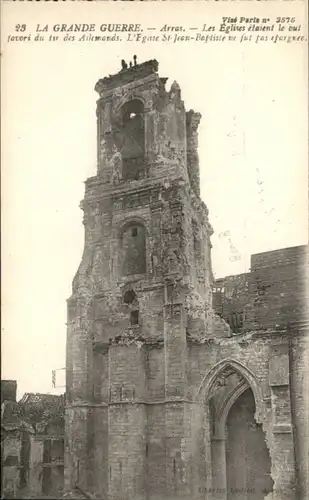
274	294
231	298
153	373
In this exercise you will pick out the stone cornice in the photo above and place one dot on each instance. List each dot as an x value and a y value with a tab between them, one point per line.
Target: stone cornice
171	401
244	337
282	429
137	75
129	339
106	191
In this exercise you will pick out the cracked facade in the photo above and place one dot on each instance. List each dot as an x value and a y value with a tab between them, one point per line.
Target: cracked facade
163	401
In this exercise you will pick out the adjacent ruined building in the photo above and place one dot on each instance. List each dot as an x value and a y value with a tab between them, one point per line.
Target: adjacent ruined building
165	399
32	444
274	294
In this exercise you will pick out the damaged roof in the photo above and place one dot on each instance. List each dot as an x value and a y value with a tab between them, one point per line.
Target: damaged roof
33	412
35	397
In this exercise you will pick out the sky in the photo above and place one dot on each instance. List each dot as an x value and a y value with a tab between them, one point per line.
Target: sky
252	149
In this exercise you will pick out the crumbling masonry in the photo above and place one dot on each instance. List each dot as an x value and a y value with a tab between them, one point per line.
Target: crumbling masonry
163	401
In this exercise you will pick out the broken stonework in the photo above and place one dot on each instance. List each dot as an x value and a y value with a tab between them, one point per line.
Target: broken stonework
163	393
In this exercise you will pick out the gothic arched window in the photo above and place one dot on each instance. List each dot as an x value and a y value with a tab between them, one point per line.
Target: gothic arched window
133	139
134	250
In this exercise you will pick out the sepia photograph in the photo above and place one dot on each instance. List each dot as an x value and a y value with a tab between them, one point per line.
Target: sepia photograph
154	250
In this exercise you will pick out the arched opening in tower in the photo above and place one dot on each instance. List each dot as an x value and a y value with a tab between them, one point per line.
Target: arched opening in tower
133	139
134	250
248	463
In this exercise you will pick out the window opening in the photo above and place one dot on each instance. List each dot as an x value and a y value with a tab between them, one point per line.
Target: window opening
129	297
235	320
241	320
47	451
23	478
132	140
134	250
134	318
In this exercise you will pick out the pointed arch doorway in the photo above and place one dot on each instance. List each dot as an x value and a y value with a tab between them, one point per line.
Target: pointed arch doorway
248	463
240	459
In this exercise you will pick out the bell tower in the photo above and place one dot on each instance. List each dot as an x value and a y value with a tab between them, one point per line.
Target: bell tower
143	288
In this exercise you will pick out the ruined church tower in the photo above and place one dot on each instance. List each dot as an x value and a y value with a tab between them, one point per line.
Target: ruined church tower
162	401
143	286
